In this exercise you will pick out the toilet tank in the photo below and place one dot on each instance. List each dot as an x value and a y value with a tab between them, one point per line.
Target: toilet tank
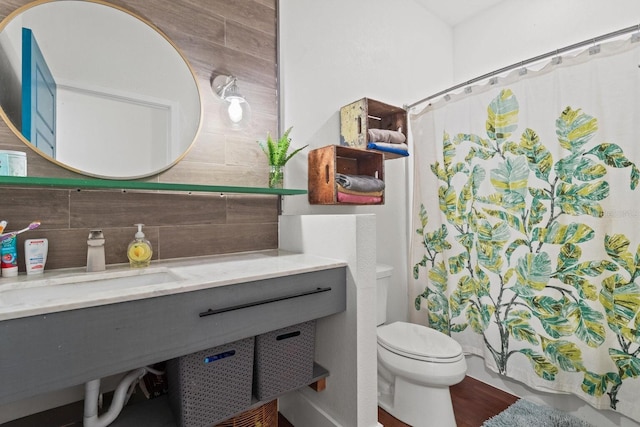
383	279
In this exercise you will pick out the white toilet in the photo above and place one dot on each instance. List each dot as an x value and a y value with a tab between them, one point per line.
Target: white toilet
416	366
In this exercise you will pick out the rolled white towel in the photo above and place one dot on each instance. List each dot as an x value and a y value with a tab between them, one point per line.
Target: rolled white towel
383	135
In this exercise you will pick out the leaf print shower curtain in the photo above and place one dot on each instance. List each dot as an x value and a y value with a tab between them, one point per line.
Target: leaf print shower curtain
526	242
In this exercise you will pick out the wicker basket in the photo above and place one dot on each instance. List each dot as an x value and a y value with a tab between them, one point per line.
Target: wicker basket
211	385
263	416
283	360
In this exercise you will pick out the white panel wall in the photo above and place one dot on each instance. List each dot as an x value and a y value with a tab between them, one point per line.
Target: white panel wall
513	31
141	140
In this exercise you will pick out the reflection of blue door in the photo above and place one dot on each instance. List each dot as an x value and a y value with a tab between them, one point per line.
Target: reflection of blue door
38	97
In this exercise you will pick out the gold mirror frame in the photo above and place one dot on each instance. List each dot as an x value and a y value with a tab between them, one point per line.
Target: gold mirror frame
197	122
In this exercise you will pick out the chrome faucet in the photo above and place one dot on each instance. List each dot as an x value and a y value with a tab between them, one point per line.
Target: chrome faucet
95	251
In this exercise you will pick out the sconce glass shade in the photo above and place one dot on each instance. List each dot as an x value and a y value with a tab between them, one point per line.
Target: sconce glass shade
235	110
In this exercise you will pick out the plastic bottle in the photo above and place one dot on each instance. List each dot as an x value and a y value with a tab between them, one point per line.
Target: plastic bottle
35	255
9	257
139	251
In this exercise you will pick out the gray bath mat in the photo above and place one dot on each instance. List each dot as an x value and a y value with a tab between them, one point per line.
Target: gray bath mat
525	413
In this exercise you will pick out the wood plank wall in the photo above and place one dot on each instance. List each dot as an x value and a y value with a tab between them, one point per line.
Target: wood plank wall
216	36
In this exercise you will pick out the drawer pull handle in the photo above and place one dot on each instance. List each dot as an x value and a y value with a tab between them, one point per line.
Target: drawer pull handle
288	335
210	311
219	356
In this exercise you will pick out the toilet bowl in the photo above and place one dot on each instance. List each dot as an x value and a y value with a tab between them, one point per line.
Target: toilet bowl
416	366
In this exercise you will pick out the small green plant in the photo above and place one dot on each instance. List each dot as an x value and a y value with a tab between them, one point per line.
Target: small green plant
276	151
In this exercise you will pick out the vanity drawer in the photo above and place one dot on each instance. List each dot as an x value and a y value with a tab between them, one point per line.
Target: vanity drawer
49	352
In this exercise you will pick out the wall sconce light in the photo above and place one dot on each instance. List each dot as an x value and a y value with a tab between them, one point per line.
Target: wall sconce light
235	110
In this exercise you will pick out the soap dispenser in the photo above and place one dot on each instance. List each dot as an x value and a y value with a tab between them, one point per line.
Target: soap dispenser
139	250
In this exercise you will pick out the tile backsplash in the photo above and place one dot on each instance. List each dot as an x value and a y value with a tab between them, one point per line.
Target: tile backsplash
178	225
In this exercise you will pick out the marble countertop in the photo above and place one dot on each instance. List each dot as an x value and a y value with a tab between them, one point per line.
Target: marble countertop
68	289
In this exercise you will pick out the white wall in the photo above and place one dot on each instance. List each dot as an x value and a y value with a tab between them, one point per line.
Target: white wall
515	30
139	145
345	342
512	31
334	52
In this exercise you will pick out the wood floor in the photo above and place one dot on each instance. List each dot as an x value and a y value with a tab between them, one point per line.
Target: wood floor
474	402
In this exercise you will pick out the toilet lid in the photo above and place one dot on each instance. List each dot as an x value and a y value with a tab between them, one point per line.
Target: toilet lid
419	342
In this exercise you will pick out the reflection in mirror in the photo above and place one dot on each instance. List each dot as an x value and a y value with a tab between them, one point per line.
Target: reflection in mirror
121	102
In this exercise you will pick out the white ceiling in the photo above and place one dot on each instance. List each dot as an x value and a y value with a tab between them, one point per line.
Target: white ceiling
454	12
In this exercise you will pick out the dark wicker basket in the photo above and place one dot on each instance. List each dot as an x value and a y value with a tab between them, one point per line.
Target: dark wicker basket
263	416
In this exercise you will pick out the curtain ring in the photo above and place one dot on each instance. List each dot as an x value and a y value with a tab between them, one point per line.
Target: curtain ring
636	36
523	70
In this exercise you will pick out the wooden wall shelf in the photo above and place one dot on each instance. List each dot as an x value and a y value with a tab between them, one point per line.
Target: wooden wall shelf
360	116
326	162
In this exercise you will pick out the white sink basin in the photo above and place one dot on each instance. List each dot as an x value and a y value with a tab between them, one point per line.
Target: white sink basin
35	292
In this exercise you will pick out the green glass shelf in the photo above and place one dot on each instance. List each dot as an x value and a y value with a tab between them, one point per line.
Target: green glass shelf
33	181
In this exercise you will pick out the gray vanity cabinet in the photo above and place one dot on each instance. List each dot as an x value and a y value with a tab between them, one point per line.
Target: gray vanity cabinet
52	351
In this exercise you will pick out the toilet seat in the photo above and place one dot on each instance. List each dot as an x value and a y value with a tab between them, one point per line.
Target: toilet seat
419	342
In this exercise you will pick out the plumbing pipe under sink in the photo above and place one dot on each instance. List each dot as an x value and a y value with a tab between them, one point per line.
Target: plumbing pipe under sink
120	397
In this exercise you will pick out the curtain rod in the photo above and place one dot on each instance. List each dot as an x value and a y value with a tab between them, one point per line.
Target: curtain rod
529	61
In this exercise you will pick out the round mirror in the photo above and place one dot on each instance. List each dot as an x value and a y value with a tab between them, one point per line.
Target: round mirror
96	89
